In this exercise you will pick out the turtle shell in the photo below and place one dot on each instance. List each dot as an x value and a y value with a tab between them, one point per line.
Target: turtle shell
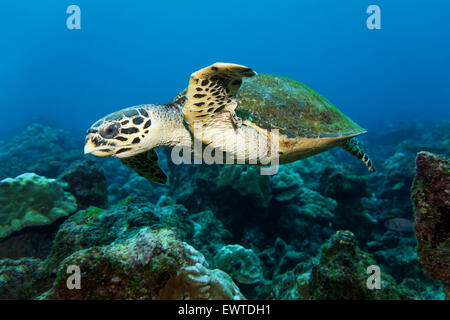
276	102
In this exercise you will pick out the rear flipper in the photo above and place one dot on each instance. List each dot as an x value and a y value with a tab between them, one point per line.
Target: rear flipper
356	148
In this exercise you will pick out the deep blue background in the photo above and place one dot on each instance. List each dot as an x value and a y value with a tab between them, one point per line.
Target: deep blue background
133	52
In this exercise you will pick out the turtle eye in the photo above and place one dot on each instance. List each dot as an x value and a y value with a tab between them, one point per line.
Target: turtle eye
110	131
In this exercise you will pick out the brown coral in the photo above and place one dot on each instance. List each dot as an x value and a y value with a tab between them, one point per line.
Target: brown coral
430	193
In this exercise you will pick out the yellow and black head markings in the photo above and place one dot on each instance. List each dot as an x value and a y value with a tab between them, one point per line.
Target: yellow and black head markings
119	133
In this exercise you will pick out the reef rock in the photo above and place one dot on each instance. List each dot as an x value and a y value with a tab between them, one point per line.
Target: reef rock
33	242
431	196
194	186
311	205
123	182
209	233
286	184
86	181
348	190
307	217
341	272
98	227
32	200
40	149
124	252
396	186
282	258
242	264
400	260
249	182
149	265
24	278
136	186
435	140
338	272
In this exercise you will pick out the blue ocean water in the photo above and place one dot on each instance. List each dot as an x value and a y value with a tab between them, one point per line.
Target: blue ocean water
134	52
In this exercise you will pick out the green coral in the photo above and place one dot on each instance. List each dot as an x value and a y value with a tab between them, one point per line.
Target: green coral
32	200
242	264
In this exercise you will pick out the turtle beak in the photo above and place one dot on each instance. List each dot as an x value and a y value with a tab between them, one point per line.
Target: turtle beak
99	151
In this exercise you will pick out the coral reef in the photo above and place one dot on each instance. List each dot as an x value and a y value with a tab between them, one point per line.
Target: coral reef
348	190
209	234
341	272
32	200
142	261
33	242
123	182
395	188
248	182
242	264
306	220
41	149
86	181
24	278
430	193
149	265
98	227
286	184
400	260
338	272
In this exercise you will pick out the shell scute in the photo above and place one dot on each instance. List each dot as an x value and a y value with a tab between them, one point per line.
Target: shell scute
276	102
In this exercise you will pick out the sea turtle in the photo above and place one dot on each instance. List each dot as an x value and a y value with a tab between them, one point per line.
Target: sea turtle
233	112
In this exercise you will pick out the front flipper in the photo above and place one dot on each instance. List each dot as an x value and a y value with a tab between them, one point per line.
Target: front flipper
179	99
211	98
146	165
356	148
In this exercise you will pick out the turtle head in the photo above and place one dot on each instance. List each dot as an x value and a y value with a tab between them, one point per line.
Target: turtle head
121	134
